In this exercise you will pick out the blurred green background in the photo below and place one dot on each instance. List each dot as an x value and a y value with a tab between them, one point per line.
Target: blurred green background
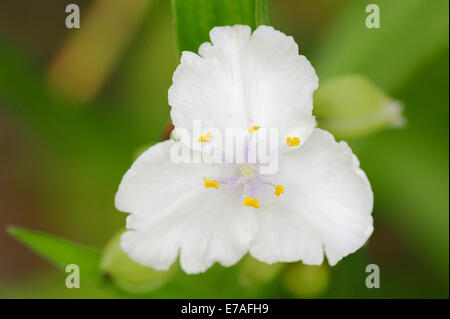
77	105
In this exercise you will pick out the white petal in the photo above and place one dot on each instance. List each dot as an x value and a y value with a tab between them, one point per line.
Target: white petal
245	79
325	208
172	211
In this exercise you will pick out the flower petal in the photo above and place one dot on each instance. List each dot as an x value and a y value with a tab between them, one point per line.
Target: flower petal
172	211
325	208
243	79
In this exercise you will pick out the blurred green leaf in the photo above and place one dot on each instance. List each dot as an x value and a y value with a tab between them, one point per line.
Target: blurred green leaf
195	18
61	252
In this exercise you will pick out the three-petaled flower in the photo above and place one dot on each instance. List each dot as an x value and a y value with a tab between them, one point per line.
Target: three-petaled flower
319	202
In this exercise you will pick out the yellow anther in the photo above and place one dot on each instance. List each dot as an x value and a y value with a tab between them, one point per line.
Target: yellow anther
294	141
251	202
279	189
253	129
204	138
211	183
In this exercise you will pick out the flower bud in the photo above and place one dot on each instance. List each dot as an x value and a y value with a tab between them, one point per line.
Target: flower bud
352	106
306	281
254	272
127	274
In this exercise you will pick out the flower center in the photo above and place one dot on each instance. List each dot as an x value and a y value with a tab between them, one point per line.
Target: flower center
248	183
247	171
253	188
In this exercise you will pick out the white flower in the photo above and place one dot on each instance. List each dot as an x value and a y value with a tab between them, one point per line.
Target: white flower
318	202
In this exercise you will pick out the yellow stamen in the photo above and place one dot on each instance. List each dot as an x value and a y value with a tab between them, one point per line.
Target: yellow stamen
251	202
294	141
211	183
204	138
252	129
279	189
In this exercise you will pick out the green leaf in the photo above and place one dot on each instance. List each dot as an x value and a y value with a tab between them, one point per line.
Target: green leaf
61	252
195	18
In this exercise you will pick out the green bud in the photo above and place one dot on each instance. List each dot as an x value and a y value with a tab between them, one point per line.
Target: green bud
127	274
306	281
254	272
352	106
